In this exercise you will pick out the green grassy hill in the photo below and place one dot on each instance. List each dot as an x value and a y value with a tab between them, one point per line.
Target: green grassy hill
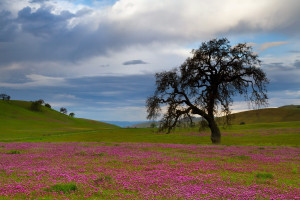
287	113
268	115
16	119
19	124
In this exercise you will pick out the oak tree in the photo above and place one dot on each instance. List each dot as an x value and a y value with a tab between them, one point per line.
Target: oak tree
205	84
63	110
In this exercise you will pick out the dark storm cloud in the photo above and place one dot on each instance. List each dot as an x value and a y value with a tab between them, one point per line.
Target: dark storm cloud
294	51
38	1
283	77
92	91
43	36
43	22
7	26
279	66
124	85
134	62
276	66
297	64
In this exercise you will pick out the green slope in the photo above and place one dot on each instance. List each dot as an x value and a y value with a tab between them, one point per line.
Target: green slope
268	115
19	124
288	113
16	119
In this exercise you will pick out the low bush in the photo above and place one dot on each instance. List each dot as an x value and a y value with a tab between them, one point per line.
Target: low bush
14	152
63	187
36	106
264	176
48	105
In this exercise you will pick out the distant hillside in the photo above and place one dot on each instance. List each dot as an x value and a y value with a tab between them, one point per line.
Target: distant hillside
125	124
16	117
267	115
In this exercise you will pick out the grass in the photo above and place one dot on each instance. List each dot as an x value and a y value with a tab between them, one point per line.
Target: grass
148	171
19	124
62	188
14	152
268	115
264	176
123	164
274	134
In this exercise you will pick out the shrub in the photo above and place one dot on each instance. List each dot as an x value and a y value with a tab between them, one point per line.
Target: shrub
4	97
41	101
64	187
242	123
243	157
72	114
63	110
264	176
48	105
14	152
99	154
81	153
36	106
102	179
203	125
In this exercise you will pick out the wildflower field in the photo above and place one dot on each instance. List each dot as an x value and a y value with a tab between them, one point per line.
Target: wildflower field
147	171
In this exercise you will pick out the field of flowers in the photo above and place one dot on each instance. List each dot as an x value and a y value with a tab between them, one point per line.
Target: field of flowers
147	171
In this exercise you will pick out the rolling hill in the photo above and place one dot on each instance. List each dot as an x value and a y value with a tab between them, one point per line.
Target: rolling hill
19	124
268	115
17	118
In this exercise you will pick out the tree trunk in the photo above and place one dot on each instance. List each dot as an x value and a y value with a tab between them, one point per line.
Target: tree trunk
215	131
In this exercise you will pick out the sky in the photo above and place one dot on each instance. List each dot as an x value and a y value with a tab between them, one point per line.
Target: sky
97	58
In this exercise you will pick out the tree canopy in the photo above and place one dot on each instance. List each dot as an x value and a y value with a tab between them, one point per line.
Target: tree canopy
206	83
63	110
4	97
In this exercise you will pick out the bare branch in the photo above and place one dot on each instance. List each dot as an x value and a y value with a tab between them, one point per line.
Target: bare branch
206	82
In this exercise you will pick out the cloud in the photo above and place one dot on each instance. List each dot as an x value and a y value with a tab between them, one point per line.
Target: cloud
42	22
297	64
267	45
8	27
111	93
64	96
50	48
36	80
134	62
64	31
294	51
282	67
295	94
38	1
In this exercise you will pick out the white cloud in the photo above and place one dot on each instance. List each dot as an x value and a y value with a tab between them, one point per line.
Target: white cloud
110	93
201	19
36	80
267	45
155	31
293	93
103	102
92	41
65	96
58	105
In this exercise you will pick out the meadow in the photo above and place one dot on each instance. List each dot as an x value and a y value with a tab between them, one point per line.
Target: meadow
48	155
147	171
